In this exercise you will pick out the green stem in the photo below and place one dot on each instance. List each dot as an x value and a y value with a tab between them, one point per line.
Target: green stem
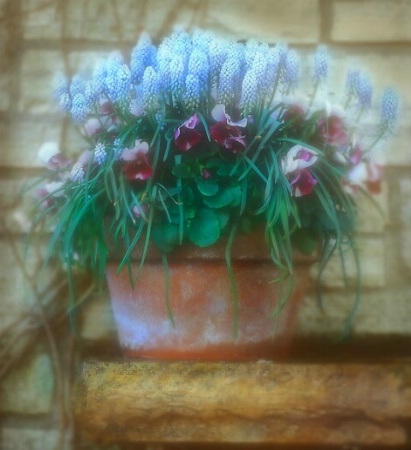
167	286
233	285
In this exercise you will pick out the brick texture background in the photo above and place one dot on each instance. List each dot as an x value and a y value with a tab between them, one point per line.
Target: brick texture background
40	37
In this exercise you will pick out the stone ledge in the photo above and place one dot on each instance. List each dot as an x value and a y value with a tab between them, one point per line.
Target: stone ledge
259	402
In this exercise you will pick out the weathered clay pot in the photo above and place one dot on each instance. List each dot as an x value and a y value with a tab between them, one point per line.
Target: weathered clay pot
202	306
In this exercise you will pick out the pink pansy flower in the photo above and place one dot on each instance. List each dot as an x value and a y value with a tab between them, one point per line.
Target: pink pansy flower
108	120
355	155
333	131
54	188
373	182
48	192
219	115
51	157
295	165
92	126
85	158
106	107
332	127
43	195
296	108
140	211
47	151
364	173
226	132
186	137
137	166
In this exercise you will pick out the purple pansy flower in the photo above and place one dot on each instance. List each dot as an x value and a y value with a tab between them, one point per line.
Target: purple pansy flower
362	172
295	165
51	157
137	166
186	137
226	132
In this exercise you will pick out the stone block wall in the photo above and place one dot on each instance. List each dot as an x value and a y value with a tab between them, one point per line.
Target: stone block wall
40	37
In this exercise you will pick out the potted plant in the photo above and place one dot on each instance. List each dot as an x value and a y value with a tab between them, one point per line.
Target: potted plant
190	148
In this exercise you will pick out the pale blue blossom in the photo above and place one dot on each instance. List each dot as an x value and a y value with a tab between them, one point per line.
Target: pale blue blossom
217	53
65	102
142	56
123	77
181	43
150	89
113	69
364	91
389	109
259	68
231	74
282	49
273	63
351	81
250	51
77	86
199	67
321	63
77	172
292	70
201	40
61	86
249	92
100	154
227	81
117	148
79	109
99	80
192	92
177	78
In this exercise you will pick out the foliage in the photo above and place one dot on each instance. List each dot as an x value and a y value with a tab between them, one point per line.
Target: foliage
200	138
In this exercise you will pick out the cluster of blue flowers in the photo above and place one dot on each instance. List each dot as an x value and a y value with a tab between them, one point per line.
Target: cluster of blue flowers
195	71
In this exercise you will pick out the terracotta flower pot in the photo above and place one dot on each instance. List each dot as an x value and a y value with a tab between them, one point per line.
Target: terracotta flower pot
202	306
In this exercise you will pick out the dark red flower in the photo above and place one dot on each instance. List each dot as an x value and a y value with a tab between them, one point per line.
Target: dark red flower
303	183
226	132
186	137
333	130
295	113
137	166
296	166
139	169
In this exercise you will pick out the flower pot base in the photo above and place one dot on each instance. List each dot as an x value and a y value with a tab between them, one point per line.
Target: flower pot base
199	322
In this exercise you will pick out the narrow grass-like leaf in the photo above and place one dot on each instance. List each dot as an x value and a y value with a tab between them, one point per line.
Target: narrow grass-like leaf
148	233
167	289
206	129
231	277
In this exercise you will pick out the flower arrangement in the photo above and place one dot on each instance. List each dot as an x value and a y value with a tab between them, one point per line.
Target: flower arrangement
200	138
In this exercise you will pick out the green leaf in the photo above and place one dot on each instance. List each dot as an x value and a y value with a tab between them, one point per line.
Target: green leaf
181	170
223	168
207	188
305	240
222	217
230	196
165	236
205	228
